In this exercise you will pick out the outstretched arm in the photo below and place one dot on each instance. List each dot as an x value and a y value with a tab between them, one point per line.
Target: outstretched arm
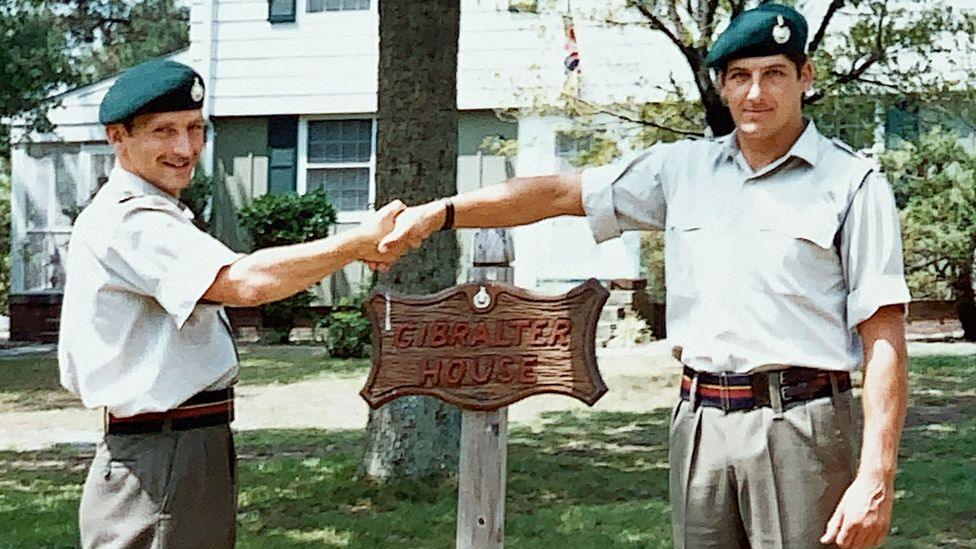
518	201
275	273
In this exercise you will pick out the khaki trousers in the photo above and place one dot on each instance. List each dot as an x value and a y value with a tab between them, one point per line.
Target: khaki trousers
172	490
759	478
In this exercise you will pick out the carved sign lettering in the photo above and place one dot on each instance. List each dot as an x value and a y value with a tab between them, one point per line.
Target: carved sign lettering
484	346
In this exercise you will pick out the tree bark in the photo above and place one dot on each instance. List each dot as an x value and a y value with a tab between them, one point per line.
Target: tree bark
416	161
966	302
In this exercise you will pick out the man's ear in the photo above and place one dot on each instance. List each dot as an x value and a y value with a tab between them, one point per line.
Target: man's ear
114	133
807	76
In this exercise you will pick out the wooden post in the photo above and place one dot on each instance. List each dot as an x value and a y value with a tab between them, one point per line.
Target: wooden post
484	435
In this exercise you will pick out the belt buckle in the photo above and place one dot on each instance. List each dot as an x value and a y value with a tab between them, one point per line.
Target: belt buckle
786	391
724	391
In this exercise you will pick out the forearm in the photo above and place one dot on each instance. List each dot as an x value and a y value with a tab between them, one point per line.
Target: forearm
275	273
518	201
885	392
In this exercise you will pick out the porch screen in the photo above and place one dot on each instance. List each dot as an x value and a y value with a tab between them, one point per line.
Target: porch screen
64	180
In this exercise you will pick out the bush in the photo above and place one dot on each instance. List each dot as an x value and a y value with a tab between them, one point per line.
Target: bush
348	333
935	186
278	220
197	196
287	218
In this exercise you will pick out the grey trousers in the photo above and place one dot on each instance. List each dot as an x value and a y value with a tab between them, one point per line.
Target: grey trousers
167	490
757	478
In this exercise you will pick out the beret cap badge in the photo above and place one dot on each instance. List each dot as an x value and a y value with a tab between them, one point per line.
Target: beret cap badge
196	92
781	32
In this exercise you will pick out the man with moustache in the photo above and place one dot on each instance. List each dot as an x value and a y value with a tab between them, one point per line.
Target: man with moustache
144	335
784	274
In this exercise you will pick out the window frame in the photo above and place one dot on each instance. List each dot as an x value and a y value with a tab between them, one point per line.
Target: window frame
368	9
274	19
301	184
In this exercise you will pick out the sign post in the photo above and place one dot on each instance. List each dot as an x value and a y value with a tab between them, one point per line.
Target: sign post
483	467
482	346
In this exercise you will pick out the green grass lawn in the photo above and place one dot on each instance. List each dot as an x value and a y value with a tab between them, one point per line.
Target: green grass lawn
588	480
31	382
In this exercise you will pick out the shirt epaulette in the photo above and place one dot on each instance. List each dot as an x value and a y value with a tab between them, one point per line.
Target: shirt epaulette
148	202
848	149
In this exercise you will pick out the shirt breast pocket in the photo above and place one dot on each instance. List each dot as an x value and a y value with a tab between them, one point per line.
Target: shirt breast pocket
692	256
794	254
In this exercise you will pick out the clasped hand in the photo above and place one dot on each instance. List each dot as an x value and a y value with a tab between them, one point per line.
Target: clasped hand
394	230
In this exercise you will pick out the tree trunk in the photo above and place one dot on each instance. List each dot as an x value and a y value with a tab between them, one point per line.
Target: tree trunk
966	302
416	161
717	115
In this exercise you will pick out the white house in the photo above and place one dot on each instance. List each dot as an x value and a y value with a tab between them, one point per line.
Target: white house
291	95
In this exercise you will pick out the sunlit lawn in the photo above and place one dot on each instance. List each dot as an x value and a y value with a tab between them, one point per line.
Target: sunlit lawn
583	481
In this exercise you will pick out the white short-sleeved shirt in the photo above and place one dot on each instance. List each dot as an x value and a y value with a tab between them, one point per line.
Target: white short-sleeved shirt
134	336
763	269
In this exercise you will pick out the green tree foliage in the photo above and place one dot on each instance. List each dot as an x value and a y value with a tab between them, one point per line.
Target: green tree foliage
935	186
115	34
47	47
33	61
279	220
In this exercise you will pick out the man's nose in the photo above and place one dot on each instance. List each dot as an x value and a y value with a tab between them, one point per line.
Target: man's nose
183	145
755	89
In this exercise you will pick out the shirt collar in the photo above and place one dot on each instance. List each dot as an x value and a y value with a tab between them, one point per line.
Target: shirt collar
126	184
805	148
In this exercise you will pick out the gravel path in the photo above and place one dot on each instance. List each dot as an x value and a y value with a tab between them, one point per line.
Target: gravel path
640	379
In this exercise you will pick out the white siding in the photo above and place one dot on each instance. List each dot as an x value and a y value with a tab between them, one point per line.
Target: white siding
326	63
323	63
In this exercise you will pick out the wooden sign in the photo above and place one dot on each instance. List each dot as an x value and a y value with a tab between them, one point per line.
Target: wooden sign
484	346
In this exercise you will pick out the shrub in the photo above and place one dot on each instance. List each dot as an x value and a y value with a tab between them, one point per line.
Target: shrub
347	329
282	219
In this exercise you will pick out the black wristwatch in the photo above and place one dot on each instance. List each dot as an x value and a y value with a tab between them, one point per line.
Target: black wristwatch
448	215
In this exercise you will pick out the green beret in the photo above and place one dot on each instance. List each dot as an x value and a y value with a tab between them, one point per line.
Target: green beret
770	29
155	86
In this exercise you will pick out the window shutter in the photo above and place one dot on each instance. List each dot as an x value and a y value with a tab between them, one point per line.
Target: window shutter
282	153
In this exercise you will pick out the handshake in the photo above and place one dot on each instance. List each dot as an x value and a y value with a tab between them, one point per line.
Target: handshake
395	229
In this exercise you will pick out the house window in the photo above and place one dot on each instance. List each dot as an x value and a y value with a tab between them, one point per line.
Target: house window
281	11
338	158
337	5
